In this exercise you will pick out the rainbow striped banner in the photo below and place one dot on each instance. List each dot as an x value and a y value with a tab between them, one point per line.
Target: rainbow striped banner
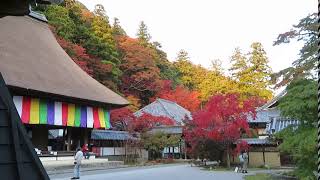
42	111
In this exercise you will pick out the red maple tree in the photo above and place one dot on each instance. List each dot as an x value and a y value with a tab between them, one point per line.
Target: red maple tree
181	95
223	120
124	119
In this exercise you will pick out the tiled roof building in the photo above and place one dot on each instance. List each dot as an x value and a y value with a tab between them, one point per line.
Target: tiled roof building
163	107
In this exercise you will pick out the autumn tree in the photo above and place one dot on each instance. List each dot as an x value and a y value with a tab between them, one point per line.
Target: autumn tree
223	120
78	55
141	75
182	96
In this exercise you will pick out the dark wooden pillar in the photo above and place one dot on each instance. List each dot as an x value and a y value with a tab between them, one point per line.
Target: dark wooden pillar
68	139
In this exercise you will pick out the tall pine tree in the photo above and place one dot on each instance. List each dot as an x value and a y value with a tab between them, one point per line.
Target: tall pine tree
239	65
102	29
117	30
143	34
259	71
251	72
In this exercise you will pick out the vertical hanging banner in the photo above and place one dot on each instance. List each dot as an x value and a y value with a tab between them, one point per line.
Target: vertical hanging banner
42	111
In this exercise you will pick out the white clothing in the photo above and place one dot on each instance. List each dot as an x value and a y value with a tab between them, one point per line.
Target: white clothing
78	157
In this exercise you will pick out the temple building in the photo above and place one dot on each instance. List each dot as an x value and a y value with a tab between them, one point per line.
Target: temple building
172	110
263	150
48	89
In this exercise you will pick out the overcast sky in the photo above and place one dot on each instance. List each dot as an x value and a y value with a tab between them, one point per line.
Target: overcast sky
210	29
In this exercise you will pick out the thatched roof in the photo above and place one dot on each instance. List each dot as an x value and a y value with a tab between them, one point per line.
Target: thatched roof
31	60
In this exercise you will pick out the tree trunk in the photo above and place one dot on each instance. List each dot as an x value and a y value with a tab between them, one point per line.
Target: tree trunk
228	157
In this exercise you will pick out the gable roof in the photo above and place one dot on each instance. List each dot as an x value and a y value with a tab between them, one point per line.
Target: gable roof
163	107
32	61
267	110
273	101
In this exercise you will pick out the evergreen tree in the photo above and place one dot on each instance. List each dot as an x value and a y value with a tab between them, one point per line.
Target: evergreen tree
102	29
117	30
252	73
143	34
239	65
260	71
183	56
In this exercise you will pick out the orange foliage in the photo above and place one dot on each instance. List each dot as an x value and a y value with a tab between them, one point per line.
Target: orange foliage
180	95
141	75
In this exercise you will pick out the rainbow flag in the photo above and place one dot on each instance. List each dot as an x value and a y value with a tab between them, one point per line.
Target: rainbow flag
42	111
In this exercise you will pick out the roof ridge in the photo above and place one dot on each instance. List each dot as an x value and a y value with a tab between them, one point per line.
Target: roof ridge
169	101
273	100
166	109
141	110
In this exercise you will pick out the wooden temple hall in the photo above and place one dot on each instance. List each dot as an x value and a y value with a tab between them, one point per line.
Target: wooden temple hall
48	89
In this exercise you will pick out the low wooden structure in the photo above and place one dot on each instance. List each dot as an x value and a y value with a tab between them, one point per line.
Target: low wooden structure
262	152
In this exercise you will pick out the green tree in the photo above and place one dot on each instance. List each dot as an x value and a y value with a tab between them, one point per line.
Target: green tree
300	103
117	30
191	75
239	65
167	70
143	34
259	71
58	16
251	72
102	29
155	143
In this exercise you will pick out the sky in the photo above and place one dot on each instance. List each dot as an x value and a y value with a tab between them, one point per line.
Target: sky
211	29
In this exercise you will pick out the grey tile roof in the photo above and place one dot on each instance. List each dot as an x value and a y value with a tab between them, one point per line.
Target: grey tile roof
168	129
278	124
256	141
110	135
264	115
267	111
162	107
270	103
271	115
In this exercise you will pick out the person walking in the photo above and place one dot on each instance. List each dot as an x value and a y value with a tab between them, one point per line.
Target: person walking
245	162
77	162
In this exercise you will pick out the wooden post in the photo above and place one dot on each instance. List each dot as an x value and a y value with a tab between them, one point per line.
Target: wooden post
69	139
173	152
264	158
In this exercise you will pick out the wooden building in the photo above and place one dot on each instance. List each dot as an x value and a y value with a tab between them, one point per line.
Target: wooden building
49	90
268	121
172	110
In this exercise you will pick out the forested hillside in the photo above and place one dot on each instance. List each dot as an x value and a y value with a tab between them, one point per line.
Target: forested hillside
137	67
